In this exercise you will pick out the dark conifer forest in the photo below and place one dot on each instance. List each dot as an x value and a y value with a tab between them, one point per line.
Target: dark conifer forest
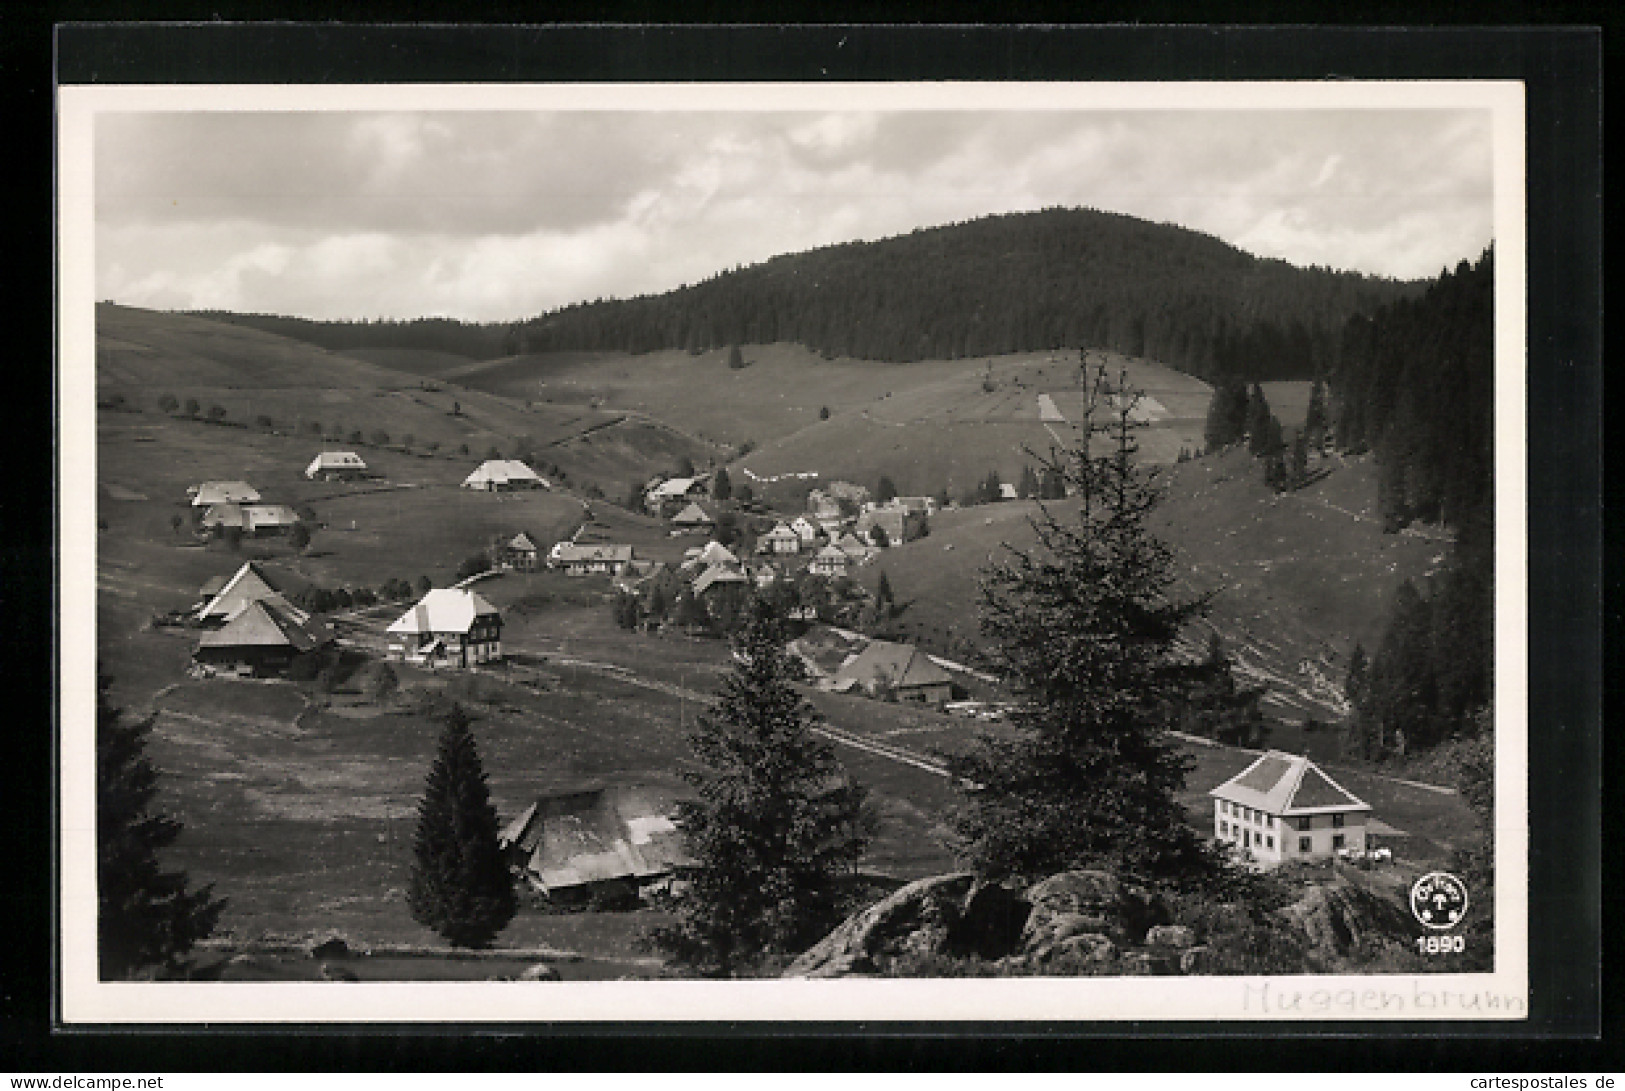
1415	382
1060	278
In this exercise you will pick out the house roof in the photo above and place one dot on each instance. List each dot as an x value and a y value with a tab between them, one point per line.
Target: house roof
444	610
849	544
593	836
893	519
248	584
717	553
901	665
716	574
674	487
692	514
224	492
335	460
1287	784
782	531
566	552
521	541
501	471
268	623
831	552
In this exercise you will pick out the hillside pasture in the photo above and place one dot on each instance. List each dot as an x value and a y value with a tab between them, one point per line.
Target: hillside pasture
323	398
1298	578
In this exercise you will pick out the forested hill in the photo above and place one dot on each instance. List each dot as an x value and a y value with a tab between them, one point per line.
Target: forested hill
1019	282
474	340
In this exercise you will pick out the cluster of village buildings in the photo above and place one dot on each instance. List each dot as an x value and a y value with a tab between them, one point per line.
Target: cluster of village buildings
1281	808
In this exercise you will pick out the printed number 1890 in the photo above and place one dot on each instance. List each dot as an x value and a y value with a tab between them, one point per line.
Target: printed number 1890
1440	945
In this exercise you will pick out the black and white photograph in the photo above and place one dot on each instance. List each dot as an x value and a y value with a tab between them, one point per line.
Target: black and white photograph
838	552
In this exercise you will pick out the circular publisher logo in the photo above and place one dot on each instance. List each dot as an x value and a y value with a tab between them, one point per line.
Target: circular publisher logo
1439	900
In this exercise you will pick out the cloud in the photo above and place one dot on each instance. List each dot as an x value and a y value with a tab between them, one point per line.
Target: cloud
500	215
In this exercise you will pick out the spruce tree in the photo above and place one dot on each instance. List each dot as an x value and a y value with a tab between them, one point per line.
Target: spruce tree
776	825
1082	630
1226	415
1317	420
886	491
1028	488
147	920
1215	707
721	487
460	884
1258	422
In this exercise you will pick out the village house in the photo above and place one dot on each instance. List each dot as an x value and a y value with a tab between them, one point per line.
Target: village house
520	553
807	530
719	580
584	560
503	475
1282	807
673	493
262	637
1008	491
255	520
250	583
449	627
900	669
210	493
572	844
693	520
893	523
781	539
857	550
831	561
336	466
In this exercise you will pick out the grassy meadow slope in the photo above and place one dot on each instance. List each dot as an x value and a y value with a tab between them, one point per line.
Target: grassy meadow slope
312	393
925	424
1300	576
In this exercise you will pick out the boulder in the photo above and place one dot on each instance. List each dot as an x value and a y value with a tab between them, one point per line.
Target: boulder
540	972
1339	916
914	919
990	922
1176	936
1088	901
1080	947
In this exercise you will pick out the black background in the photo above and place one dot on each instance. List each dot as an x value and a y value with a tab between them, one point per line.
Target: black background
1561	68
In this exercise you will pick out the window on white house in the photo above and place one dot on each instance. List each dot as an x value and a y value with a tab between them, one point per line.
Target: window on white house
1305	845
1337	821
1337	841
1269	842
1306	823
1269	820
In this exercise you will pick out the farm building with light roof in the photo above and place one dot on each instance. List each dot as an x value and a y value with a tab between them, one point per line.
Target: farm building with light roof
336	466
503	474
1282	807
210	493
448	627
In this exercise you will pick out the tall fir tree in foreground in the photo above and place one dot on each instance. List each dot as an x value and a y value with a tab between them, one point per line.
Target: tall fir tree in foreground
460	884
147	919
1082	630
776	826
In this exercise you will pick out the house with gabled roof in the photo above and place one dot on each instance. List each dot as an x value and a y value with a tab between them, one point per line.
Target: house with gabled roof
448	627
262	637
807	530
1283	807
693	519
901	669
210	493
503	475
857	550
255	520
781	539
570	843
250	583
520	552
831	561
582	560
671	494
336	466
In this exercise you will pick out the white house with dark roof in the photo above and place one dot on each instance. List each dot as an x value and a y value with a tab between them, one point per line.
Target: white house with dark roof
781	539
1282	807
449	627
830	561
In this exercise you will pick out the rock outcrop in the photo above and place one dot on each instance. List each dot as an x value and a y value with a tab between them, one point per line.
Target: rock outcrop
1339	916
914	919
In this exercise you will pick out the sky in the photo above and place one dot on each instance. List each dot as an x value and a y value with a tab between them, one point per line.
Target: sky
498	216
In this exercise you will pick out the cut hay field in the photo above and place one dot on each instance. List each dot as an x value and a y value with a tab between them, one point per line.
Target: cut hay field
1299	577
